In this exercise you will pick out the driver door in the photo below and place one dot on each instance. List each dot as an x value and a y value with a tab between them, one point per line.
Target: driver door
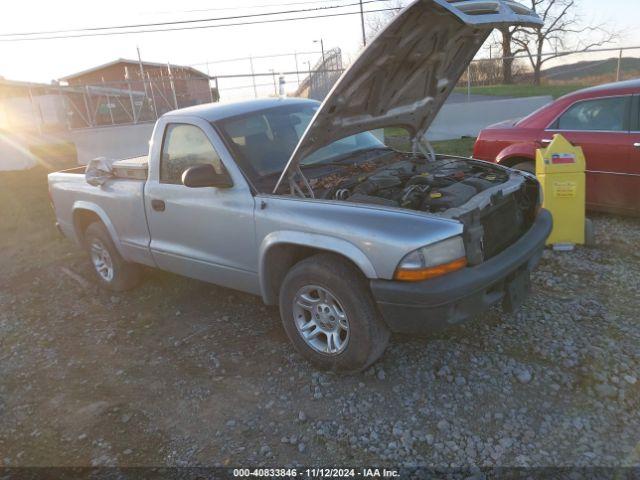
205	233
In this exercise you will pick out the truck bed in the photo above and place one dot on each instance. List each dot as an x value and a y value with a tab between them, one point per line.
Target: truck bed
119	204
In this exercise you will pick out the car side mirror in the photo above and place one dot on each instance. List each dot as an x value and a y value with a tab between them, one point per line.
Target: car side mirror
205	175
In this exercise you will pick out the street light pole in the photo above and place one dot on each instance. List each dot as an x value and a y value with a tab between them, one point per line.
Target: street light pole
295	56
321	42
253	77
364	35
275	87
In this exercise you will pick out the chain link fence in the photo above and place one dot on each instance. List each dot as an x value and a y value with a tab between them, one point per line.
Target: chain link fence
26	106
315	81
561	71
42	108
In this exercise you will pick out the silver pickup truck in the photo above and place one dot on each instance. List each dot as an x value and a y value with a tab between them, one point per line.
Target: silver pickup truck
300	203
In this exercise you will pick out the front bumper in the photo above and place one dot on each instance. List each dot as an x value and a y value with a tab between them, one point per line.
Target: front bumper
451	299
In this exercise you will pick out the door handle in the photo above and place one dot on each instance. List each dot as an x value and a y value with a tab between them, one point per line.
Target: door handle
636	145
546	141
158	205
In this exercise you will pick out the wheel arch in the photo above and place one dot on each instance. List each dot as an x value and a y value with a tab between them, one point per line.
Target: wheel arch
513	161
84	214
282	250
517	153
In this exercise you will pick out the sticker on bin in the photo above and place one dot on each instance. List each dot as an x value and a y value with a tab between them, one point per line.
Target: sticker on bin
563	158
565	189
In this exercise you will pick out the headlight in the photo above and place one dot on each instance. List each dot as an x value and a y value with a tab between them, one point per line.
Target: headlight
432	261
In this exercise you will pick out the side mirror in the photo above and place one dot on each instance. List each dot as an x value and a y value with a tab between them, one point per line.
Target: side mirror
205	175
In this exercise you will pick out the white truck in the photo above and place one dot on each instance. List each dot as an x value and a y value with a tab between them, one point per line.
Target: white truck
299	203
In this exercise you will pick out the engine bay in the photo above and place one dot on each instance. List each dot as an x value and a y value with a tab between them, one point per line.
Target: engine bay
410	182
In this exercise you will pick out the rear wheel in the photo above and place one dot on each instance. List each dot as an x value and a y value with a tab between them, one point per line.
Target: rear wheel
330	316
110	269
527	166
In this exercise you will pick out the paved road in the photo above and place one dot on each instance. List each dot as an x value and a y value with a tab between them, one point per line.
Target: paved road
462	97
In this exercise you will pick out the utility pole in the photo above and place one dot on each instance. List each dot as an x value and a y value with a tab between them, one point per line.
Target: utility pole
173	86
253	77
133	104
321	42
209	82
364	34
142	77
619	71
153	97
108	101
275	87
295	56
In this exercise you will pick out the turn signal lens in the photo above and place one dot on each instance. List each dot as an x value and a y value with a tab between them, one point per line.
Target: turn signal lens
432	261
432	272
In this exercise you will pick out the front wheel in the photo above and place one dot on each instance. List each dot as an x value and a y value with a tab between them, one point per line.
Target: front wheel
527	166
330	316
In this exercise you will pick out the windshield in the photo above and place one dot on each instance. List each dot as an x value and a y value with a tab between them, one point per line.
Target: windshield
263	141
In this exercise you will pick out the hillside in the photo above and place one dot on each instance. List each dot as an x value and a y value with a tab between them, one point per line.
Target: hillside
580	71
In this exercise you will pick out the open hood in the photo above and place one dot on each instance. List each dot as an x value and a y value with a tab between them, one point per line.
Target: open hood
403	77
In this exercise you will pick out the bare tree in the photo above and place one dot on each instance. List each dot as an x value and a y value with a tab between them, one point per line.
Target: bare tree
508	52
562	31
376	22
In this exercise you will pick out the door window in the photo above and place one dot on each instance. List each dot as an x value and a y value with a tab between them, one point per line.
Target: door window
185	146
602	114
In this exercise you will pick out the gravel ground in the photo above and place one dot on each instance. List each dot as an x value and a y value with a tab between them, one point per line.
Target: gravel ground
179	372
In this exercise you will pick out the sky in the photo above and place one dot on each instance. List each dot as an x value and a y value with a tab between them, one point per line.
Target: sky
43	61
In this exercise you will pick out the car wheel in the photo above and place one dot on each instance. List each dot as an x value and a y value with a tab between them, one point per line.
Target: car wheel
589	233
527	166
330	316
110	269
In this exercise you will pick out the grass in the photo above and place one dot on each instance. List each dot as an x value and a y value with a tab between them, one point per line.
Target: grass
28	236
555	91
462	147
398	138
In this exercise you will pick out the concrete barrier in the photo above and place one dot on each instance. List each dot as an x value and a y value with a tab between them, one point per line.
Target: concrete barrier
117	141
14	155
457	120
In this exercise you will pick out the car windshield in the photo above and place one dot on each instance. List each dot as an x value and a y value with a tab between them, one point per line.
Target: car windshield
263	141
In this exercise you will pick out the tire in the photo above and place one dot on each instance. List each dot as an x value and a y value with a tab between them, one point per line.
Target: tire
109	268
527	166
589	233
347	298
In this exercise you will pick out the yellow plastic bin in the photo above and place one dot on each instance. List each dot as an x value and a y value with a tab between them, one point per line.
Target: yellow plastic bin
560	169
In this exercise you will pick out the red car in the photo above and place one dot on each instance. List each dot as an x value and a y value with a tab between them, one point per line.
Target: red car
604	121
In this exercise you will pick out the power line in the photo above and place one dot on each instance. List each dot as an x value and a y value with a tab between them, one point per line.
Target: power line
237	59
197	27
179	22
269	74
244	7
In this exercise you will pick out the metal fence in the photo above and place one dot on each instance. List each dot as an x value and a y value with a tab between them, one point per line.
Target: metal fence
314	81
53	107
561	69
38	107
324	75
